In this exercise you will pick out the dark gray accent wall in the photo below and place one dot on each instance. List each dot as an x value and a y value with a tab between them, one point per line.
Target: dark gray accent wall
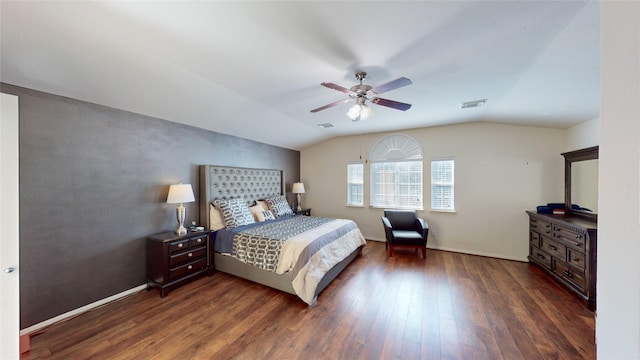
93	186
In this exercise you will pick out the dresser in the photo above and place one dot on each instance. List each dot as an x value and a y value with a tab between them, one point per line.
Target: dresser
565	246
174	259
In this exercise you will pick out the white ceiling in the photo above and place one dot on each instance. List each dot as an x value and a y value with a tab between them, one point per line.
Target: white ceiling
253	69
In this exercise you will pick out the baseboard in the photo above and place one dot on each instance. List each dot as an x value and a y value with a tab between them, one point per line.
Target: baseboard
78	311
478	253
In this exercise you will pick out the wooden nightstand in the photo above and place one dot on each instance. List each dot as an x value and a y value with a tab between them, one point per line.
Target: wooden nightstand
173	259
305	212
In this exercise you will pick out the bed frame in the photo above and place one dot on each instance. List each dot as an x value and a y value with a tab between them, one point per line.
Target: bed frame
226	182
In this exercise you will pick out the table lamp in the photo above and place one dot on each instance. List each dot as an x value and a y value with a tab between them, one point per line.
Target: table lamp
179	194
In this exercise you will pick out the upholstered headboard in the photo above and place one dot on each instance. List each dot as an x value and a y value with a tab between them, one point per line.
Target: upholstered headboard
227	182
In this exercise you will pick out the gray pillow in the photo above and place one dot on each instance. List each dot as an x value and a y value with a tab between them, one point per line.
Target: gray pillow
235	212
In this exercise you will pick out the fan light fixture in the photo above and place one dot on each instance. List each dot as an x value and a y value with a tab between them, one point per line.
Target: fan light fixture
360	111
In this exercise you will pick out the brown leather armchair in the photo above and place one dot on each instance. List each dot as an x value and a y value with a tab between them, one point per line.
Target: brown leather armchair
403	228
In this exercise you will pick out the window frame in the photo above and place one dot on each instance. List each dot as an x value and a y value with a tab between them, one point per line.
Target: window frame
394	150
350	184
450	184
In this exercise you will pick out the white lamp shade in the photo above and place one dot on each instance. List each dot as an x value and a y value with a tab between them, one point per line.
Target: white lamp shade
180	193
298	188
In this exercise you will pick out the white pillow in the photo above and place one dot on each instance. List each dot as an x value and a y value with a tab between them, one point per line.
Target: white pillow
216	221
264	204
256	211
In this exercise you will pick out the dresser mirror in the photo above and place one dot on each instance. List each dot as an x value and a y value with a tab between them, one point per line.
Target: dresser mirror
581	183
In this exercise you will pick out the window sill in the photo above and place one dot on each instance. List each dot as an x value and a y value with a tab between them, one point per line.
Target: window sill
443	211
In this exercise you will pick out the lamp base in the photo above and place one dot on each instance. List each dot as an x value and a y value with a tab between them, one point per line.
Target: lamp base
180	214
299	202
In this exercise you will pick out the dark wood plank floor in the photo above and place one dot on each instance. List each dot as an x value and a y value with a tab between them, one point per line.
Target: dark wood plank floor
451	306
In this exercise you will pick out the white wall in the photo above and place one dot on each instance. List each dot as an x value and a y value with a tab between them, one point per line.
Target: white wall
584	135
501	171
618	285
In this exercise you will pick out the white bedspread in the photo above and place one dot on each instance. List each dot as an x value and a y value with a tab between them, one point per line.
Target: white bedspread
309	259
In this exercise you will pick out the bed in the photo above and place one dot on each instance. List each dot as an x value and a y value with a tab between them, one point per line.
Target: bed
316	249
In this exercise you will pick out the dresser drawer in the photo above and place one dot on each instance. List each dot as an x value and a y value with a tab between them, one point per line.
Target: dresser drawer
187	269
540	257
572	239
572	275
187	256
577	259
178	245
541	226
554	248
534	239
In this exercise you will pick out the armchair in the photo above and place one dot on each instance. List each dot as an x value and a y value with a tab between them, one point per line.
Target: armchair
403	228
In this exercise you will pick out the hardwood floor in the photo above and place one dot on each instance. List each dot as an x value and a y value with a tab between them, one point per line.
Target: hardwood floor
451	306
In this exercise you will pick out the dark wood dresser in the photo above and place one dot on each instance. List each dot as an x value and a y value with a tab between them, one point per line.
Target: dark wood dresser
565	246
173	259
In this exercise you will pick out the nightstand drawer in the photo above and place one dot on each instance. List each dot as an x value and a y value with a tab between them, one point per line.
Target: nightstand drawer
187	269
187	256
178	245
199	241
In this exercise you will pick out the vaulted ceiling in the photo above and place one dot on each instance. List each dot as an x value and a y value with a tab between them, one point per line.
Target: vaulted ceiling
253	69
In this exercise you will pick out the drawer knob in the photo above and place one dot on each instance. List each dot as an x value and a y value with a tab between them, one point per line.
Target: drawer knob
579	244
540	256
189	267
553	247
180	245
576	260
578	236
190	255
199	241
567	273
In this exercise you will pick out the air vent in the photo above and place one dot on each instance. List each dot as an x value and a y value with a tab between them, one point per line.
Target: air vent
326	125
472	104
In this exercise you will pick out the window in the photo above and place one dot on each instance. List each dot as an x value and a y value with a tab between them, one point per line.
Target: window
396	173
355	184
442	184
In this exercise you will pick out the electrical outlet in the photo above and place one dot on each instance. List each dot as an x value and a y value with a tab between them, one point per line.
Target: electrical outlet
434	232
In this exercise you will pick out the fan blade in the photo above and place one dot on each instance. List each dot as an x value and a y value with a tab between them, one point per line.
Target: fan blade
392	104
391	85
332	105
338	87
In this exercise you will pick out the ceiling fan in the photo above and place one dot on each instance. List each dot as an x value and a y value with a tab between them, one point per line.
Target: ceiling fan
361	93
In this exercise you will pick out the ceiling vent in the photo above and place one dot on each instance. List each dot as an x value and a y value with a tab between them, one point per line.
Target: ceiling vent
326	125
472	104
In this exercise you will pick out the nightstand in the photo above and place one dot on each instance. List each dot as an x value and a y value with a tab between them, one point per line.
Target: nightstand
305	212
174	259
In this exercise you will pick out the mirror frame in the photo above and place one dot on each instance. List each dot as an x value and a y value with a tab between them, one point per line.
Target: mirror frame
570	157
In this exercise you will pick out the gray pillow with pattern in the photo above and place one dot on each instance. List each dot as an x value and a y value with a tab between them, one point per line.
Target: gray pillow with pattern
235	212
278	204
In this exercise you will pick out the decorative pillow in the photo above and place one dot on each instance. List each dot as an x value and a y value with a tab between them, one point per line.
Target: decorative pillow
216	221
265	205
235	212
267	215
278	204
256	211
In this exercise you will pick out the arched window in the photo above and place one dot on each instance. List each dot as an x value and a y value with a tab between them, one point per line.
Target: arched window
396	172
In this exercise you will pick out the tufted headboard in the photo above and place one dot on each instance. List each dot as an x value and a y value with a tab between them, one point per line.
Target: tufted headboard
227	182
